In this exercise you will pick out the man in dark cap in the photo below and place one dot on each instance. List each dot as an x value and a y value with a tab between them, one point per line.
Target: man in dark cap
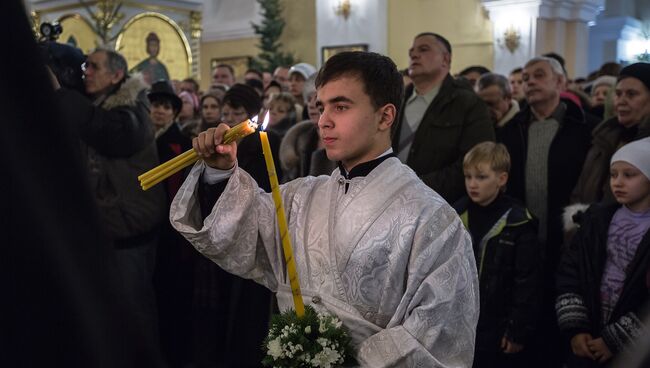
151	68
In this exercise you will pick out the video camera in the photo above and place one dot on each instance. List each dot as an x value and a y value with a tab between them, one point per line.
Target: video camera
64	60
50	31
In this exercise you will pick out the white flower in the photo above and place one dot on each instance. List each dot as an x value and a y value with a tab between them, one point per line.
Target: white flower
275	348
326	358
308	329
337	323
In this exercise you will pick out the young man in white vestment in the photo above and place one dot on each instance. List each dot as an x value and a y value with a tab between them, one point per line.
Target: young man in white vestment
372	243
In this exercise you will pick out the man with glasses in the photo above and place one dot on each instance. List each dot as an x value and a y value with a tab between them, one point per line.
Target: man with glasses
118	142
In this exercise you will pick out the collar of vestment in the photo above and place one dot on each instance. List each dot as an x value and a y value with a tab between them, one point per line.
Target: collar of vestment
365	168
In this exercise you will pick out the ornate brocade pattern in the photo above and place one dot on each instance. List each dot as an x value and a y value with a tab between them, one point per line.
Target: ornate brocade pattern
390	258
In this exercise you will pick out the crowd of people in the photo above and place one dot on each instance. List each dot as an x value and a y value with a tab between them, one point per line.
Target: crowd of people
549	177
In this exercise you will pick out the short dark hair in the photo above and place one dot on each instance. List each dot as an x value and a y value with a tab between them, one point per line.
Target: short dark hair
382	82
438	37
273	83
241	95
114	61
517	70
493	79
227	66
257	85
610	68
256	72
474	68
193	82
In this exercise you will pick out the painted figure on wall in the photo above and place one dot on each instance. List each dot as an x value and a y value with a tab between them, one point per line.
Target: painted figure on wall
151	68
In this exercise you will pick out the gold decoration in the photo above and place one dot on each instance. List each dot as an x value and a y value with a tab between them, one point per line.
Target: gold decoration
195	24
105	18
344	8
36	23
78	27
512	39
175	50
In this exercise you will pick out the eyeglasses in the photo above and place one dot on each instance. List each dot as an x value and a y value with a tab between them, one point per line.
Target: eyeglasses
88	65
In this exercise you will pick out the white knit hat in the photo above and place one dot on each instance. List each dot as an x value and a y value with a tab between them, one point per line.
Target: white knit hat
304	69
635	153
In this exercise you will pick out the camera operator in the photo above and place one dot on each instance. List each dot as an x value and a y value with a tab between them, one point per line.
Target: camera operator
117	137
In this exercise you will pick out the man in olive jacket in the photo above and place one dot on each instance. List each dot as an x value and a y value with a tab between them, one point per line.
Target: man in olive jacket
441	119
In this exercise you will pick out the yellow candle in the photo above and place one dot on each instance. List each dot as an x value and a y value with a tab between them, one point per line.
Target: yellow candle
239	131
282	224
189	157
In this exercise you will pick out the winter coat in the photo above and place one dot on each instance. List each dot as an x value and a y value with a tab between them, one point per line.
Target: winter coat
608	136
510	275
120	146
300	155
171	143
455	121
579	277
565	159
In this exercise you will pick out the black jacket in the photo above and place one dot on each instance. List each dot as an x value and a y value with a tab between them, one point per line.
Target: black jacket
251	159
119	141
509	276
455	121
579	279
171	143
567	154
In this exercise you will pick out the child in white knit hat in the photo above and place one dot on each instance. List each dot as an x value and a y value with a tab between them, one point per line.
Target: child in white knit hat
603	277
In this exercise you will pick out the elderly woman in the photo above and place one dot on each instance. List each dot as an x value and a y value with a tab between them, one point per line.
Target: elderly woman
631	123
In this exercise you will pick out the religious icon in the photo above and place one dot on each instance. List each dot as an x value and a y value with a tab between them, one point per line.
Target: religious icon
151	68
329	51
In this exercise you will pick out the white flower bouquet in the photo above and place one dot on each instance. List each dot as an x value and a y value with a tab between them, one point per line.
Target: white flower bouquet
314	340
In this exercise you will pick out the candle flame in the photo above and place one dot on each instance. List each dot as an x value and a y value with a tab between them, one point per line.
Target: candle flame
254	119
266	121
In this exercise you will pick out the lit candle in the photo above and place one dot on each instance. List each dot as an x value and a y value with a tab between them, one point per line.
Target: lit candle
171	167
282	222
240	130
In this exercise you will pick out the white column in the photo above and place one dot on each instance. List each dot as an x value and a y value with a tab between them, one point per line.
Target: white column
542	26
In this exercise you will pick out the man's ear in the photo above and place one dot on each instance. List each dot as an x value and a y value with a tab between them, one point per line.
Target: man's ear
388	114
117	76
447	58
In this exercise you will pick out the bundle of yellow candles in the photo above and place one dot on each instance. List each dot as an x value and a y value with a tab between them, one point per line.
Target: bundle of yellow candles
241	130
178	163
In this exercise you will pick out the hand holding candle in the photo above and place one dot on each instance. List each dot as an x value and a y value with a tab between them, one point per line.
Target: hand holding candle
169	168
210	148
